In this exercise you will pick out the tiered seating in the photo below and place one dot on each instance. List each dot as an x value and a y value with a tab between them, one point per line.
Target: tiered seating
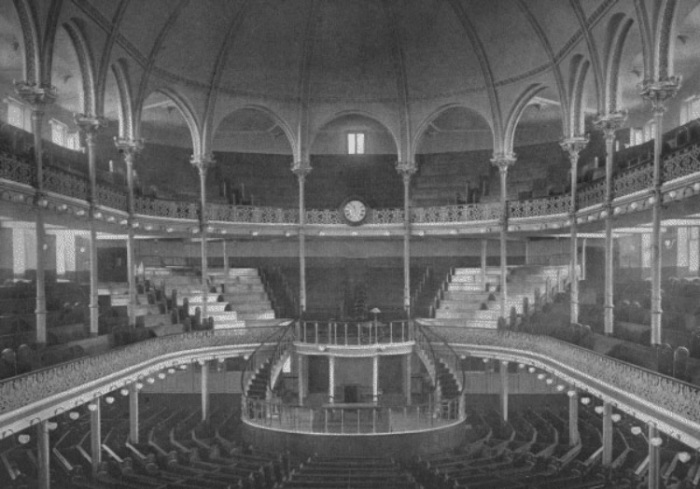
465	299
243	290
345	472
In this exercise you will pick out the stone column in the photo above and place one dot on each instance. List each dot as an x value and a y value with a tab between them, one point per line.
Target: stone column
204	389
609	124
654	457
574	436
43	455
657	93
38	97
331	379
607	433
503	374
203	163
133	413
301	169
95	435
504	161
573	147
89	126
130	148
406	169
375	379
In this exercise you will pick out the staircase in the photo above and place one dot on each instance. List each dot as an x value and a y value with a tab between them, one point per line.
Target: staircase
258	384
449	388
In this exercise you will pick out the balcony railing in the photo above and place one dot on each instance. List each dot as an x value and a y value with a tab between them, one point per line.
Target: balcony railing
677	165
355	333
351	418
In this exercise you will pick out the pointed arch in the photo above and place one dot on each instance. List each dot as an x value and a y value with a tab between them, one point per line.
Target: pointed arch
76	33
126	107
564	96
516	112
105	57
49	41
360	113
279	121
592	52
234	28
32	41
425	123
647	39
148	69
618	28
577	81
665	39
188	114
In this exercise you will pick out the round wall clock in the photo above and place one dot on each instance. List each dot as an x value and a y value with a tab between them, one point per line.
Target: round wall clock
354	211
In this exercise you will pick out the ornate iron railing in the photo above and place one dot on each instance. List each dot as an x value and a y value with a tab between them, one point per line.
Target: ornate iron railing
679	164
355	333
350	419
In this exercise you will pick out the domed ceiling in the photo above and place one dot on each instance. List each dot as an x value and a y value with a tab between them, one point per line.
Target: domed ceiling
411	55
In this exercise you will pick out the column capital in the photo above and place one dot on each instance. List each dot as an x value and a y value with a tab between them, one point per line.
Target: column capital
202	162
406	168
35	95
89	124
503	161
573	146
659	91
610	122
128	146
301	168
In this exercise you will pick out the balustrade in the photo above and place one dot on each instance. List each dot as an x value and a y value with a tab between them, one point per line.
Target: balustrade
350	419
343	333
682	163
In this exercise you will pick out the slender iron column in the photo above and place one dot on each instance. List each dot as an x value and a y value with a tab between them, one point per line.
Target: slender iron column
609	124
89	126
657	93
205	390
573	147
133	412
503	373
300	377
607	433
95	435
43	454
130	148
484	254
203	163
38	98
574	436
301	169
331	379
375	379
406	169
504	161
654	458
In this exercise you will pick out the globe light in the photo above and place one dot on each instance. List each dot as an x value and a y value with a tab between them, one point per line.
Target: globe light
74	415
92	407
656	441
52	425
599	409
585	401
571	393
161	375
683	457
23	439
531	370
636	430
139	385
615	417
150	380
109	400
540	376
124	392
171	371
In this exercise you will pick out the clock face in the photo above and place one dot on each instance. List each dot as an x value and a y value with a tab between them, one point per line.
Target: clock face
354	211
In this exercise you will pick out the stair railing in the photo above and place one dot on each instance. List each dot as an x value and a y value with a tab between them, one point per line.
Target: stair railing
272	348
425	336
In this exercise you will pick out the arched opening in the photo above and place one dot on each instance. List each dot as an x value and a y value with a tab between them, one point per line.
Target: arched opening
253	155
453	153
167	151
353	155
541	168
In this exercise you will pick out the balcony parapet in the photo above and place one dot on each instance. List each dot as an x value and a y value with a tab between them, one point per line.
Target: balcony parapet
68	192
41	394
672	405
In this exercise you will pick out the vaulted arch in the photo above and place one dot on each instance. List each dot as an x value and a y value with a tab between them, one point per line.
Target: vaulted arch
76	33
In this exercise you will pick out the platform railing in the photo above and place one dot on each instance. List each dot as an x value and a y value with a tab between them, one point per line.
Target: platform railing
353	333
350	418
